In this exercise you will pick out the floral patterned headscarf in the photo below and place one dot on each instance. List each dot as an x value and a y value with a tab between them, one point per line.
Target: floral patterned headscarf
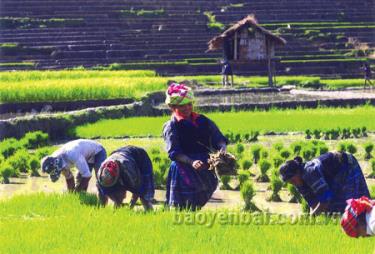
178	95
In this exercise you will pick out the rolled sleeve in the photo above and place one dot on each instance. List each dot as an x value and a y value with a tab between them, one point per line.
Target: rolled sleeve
171	139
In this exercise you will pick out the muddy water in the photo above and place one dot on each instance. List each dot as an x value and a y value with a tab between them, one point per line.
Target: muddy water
252	98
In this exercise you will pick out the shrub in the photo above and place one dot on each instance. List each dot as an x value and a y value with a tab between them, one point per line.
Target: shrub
264	166
247	194
255	152
243	175
368	149
35	139
225	179
372	165
296	196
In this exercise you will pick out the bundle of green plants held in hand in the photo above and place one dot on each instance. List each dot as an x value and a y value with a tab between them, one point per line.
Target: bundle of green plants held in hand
23	155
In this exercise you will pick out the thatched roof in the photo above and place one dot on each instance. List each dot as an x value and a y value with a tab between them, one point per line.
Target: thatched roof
217	42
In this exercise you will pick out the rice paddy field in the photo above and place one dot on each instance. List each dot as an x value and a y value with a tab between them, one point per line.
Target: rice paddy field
58	222
74	224
275	120
74	85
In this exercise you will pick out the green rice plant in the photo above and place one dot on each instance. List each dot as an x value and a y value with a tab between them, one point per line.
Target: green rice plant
351	148
307	152
308	134
296	197
255	151
368	146
278	146
264	166
264	153
364	131
243	175
251	137
341	147
246	164
33	140
44	151
277	161
240	148
305	207
285	153
317	134
158	178
372	166
7	171
247	193
323	149
19	161
276	185
34	165
296	147
356	132
9	146
225	179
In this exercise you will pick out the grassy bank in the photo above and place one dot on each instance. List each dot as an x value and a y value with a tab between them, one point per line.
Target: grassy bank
242	122
73	224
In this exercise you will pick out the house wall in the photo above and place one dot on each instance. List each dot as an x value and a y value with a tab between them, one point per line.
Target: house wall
252	45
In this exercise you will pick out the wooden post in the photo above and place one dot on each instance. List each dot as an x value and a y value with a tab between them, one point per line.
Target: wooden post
235	46
270	80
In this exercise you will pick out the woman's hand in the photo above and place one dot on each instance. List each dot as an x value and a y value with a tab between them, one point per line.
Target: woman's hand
199	165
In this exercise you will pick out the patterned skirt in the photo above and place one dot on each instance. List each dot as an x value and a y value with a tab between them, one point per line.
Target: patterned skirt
349	183
188	188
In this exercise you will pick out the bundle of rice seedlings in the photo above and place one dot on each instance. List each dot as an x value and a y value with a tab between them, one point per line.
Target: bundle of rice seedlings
223	163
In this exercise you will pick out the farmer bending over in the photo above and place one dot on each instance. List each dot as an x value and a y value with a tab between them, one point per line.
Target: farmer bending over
359	217
327	181
126	169
83	154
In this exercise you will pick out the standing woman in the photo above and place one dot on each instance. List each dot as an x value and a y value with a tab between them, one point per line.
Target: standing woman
327	181
189	138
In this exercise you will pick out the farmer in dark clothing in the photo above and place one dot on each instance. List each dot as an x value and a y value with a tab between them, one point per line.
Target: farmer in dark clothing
367	71
126	169
189	137
327	181
226	71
